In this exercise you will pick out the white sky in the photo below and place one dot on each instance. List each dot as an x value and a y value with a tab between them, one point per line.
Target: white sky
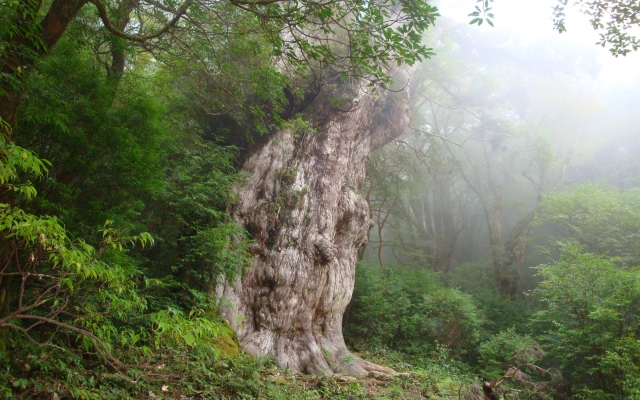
532	21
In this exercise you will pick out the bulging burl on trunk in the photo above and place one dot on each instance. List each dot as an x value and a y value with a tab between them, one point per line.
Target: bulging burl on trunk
301	205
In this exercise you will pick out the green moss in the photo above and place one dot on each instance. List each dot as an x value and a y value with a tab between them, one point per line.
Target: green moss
228	345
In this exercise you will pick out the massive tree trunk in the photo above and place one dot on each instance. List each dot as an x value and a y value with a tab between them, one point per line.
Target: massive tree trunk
302	207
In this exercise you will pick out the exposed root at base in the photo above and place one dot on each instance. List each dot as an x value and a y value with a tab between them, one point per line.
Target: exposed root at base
376	368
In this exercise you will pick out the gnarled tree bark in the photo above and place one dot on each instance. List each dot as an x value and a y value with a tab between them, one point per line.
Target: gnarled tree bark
302	206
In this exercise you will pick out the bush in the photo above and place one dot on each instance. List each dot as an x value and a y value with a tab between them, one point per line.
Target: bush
450	317
590	321
410	310
497	353
597	217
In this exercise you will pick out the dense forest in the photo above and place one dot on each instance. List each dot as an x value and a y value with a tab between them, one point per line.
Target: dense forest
317	199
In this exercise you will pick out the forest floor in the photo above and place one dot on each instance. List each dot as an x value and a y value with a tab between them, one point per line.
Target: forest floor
263	380
240	377
405	385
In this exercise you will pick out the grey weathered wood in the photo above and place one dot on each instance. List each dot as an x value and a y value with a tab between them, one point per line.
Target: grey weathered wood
302	206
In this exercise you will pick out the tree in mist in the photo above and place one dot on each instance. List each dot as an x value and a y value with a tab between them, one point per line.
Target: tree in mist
485	146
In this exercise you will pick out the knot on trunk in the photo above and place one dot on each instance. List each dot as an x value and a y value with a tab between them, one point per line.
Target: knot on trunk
325	249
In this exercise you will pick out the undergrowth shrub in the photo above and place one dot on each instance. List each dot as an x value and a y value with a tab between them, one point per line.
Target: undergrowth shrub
590	323
410	310
73	315
500	313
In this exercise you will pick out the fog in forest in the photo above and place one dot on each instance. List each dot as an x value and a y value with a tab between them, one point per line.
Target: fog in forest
320	199
518	106
510	204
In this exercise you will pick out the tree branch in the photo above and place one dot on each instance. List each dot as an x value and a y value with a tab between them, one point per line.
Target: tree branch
102	10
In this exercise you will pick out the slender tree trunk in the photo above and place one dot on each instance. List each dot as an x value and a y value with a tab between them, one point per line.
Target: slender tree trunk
446	245
495	239
302	206
120	20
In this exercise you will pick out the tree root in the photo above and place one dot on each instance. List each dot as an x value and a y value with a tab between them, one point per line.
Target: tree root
375	368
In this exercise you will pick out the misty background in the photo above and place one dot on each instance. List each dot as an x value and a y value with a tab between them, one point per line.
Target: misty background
522	89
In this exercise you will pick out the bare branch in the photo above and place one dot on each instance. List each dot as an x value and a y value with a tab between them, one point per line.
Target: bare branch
446	139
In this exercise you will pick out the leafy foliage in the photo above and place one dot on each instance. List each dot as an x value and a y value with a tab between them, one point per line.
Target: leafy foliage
28	49
483	14
614	17
119	310
597	217
497	352
63	290
590	318
412	311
